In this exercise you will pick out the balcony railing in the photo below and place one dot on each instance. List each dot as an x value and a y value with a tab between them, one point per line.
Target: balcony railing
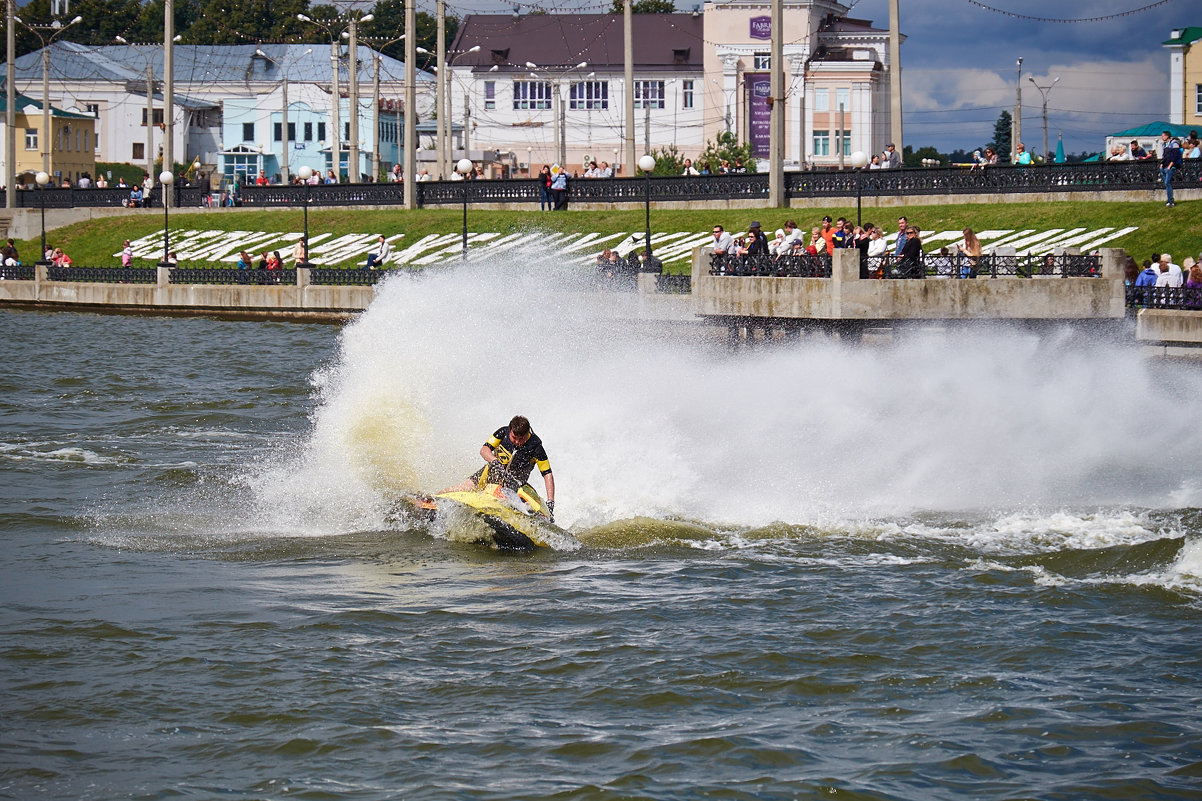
1097	177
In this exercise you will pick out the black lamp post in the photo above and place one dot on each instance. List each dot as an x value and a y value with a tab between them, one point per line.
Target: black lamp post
42	179
166	179
464	168
305	173
647	164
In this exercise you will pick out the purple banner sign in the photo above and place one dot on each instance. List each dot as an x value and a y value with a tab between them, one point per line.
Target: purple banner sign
759	89
761	28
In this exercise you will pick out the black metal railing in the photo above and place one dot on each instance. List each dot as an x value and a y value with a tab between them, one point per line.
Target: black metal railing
103	275
1064	265
674	284
1188	298
355	277
18	272
232	275
1096	177
787	266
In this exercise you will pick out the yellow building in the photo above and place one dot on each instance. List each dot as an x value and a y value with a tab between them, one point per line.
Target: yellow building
1185	76
72	143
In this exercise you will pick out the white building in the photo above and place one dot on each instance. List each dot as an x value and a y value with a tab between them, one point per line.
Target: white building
526	92
110	84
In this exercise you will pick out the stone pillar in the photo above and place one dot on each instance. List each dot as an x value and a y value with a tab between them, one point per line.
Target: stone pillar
164	276
1113	260
303	276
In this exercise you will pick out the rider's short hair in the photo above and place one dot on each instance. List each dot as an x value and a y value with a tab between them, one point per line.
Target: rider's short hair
519	426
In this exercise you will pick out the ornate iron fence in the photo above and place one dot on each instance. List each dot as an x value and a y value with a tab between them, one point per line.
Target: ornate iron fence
356	277
232	275
1097	177
1187	298
787	266
674	284
19	272
104	275
1064	265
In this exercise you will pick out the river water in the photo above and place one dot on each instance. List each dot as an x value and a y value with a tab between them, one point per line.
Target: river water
965	564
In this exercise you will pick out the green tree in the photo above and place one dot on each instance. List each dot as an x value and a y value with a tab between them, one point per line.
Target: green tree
726	146
913	158
668	161
1002	131
645	7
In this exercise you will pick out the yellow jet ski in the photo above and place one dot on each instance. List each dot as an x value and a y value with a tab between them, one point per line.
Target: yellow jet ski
518	519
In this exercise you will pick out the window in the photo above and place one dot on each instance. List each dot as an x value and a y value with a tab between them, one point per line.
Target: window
138	152
248	132
762	61
158	116
1198	99
308	132
822	143
686	95
321	132
490	94
92	108
648	94
822	100
292	132
589	95
846	137
531	94
843	98
346	132
31	138
277	132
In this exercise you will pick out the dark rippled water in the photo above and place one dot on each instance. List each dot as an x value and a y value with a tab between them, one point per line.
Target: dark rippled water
205	596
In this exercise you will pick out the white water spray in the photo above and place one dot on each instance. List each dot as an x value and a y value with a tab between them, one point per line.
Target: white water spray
651	421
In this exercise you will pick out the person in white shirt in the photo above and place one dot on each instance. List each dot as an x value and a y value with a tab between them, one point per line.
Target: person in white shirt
606	170
380	255
1170	274
425	176
724	243
689	169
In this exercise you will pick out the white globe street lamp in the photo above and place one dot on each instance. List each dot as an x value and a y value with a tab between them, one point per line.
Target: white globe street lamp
858	160
42	179
305	173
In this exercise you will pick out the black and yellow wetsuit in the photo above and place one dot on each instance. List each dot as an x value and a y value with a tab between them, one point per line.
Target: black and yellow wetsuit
519	461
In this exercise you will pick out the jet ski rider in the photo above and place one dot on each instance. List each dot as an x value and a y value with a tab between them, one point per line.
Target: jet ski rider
512	452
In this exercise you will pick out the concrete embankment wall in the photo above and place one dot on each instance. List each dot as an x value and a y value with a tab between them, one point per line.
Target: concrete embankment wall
302	301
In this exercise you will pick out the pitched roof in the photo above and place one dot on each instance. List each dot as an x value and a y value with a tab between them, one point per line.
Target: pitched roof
28	105
1188	36
201	64
663	42
1155	129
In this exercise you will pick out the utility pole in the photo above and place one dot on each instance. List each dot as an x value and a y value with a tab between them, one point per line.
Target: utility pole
10	110
628	66
441	134
375	103
776	109
335	112
1045	91
895	76
353	171
409	141
1017	122
150	120
168	90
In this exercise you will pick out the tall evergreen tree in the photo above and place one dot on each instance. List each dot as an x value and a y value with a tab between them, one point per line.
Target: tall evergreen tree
1002	135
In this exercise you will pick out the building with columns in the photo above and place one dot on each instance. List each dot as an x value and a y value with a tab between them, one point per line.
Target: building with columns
549	88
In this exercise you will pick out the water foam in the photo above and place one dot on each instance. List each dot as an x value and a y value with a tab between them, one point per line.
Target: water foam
657	422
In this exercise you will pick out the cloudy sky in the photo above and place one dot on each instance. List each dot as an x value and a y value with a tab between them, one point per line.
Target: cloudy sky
959	64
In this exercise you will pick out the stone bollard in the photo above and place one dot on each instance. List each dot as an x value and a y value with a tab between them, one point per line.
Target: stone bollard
164	276
303	276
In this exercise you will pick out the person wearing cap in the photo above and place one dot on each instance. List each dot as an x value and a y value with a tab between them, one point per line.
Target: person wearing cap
757	243
894	158
828	234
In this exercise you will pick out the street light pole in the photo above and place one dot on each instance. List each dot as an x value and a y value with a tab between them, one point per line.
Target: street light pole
647	164
42	179
305	173
166	179
1017	130
464	168
1045	91
858	160
58	28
